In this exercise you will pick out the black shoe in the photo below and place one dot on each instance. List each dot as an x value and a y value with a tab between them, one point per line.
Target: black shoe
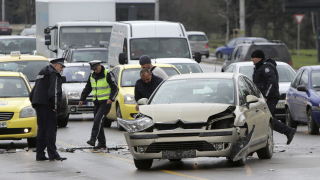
58	158
290	135
101	146
91	143
42	159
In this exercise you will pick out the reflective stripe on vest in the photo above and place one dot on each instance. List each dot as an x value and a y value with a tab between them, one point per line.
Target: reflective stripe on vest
100	89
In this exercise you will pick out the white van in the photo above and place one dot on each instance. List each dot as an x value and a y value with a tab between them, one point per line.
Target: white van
164	42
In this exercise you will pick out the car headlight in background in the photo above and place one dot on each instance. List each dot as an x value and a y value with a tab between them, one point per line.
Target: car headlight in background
136	125
27	112
73	95
129	99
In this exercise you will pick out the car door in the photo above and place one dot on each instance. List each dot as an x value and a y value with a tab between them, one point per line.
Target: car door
229	47
291	95
229	69
113	111
232	57
302	97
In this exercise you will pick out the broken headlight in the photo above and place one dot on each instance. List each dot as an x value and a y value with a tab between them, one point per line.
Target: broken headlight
136	125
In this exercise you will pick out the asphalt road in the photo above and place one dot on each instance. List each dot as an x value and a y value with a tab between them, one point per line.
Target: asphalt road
299	160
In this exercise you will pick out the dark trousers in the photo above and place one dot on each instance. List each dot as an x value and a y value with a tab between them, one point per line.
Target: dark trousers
277	125
101	109
47	131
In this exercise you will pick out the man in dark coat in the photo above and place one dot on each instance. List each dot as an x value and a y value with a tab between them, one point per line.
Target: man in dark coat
45	98
145	85
266	77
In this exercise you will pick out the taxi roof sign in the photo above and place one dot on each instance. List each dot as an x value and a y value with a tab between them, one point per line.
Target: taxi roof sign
15	53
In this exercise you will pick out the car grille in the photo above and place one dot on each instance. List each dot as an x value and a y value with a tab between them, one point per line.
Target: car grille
174	146
13	131
85	109
4	116
180	124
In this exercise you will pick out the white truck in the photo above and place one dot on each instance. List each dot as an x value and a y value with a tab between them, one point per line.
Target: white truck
164	42
65	23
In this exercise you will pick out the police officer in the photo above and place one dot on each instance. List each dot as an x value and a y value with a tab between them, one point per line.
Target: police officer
102	83
266	77
45	98
145	62
145	86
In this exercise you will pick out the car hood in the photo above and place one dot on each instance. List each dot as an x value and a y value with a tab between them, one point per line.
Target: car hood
128	90
14	104
173	60
74	87
283	87
170	113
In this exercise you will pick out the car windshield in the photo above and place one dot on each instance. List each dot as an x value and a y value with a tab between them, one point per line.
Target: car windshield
24	45
4	24
75	74
286	74
89	55
187	68
315	79
28	68
197	38
129	77
13	87
159	48
276	52
84	36
195	91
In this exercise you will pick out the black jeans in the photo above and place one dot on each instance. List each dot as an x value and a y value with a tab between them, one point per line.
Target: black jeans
101	109
47	131
277	125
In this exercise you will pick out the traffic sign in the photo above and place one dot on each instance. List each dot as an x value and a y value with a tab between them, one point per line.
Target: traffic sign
299	17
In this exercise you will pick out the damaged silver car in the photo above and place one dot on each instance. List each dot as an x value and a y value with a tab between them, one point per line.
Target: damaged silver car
201	115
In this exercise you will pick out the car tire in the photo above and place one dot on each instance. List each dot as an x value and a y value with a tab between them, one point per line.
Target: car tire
143	164
174	160
32	142
63	122
267	152
312	125
219	55
118	110
107	122
207	55
289	119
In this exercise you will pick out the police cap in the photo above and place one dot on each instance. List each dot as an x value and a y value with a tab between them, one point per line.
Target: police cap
59	60
94	64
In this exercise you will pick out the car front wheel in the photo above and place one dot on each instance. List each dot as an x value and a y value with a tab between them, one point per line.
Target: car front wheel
32	142
267	152
289	119
120	128
63	122
143	164
312	125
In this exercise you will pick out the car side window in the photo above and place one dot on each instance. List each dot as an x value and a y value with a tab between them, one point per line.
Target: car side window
252	87
229	69
239	52
243	91
239	41
304	78
233	55
230	43
295	82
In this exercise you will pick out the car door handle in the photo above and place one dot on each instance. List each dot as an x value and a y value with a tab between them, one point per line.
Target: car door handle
257	110
265	107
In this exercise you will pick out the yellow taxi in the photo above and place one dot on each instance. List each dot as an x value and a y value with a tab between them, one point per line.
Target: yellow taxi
17	117
29	65
126	78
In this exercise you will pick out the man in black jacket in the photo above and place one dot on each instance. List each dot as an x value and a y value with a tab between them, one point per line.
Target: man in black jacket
145	85
105	90
45	98
266	77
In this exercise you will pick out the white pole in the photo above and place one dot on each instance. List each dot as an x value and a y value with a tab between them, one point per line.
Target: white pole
3	9
156	10
242	18
298	39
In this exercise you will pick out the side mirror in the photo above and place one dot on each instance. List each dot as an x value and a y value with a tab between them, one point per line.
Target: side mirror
122	58
64	80
302	88
251	99
197	56
142	101
47	39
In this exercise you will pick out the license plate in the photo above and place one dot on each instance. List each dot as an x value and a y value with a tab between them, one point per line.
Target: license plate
280	105
3	124
178	154
90	104
4	30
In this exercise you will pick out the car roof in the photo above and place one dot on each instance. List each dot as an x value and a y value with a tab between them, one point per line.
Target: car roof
174	60
17	37
76	64
249	63
85	23
22	58
205	76
10	74
195	33
87	48
134	66
315	67
250	38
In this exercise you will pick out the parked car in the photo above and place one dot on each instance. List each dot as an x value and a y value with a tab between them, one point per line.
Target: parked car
303	99
24	44
277	51
28	32
5	28
30	66
201	115
184	65
126	78
75	55
17	117
199	42
286	75
228	48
